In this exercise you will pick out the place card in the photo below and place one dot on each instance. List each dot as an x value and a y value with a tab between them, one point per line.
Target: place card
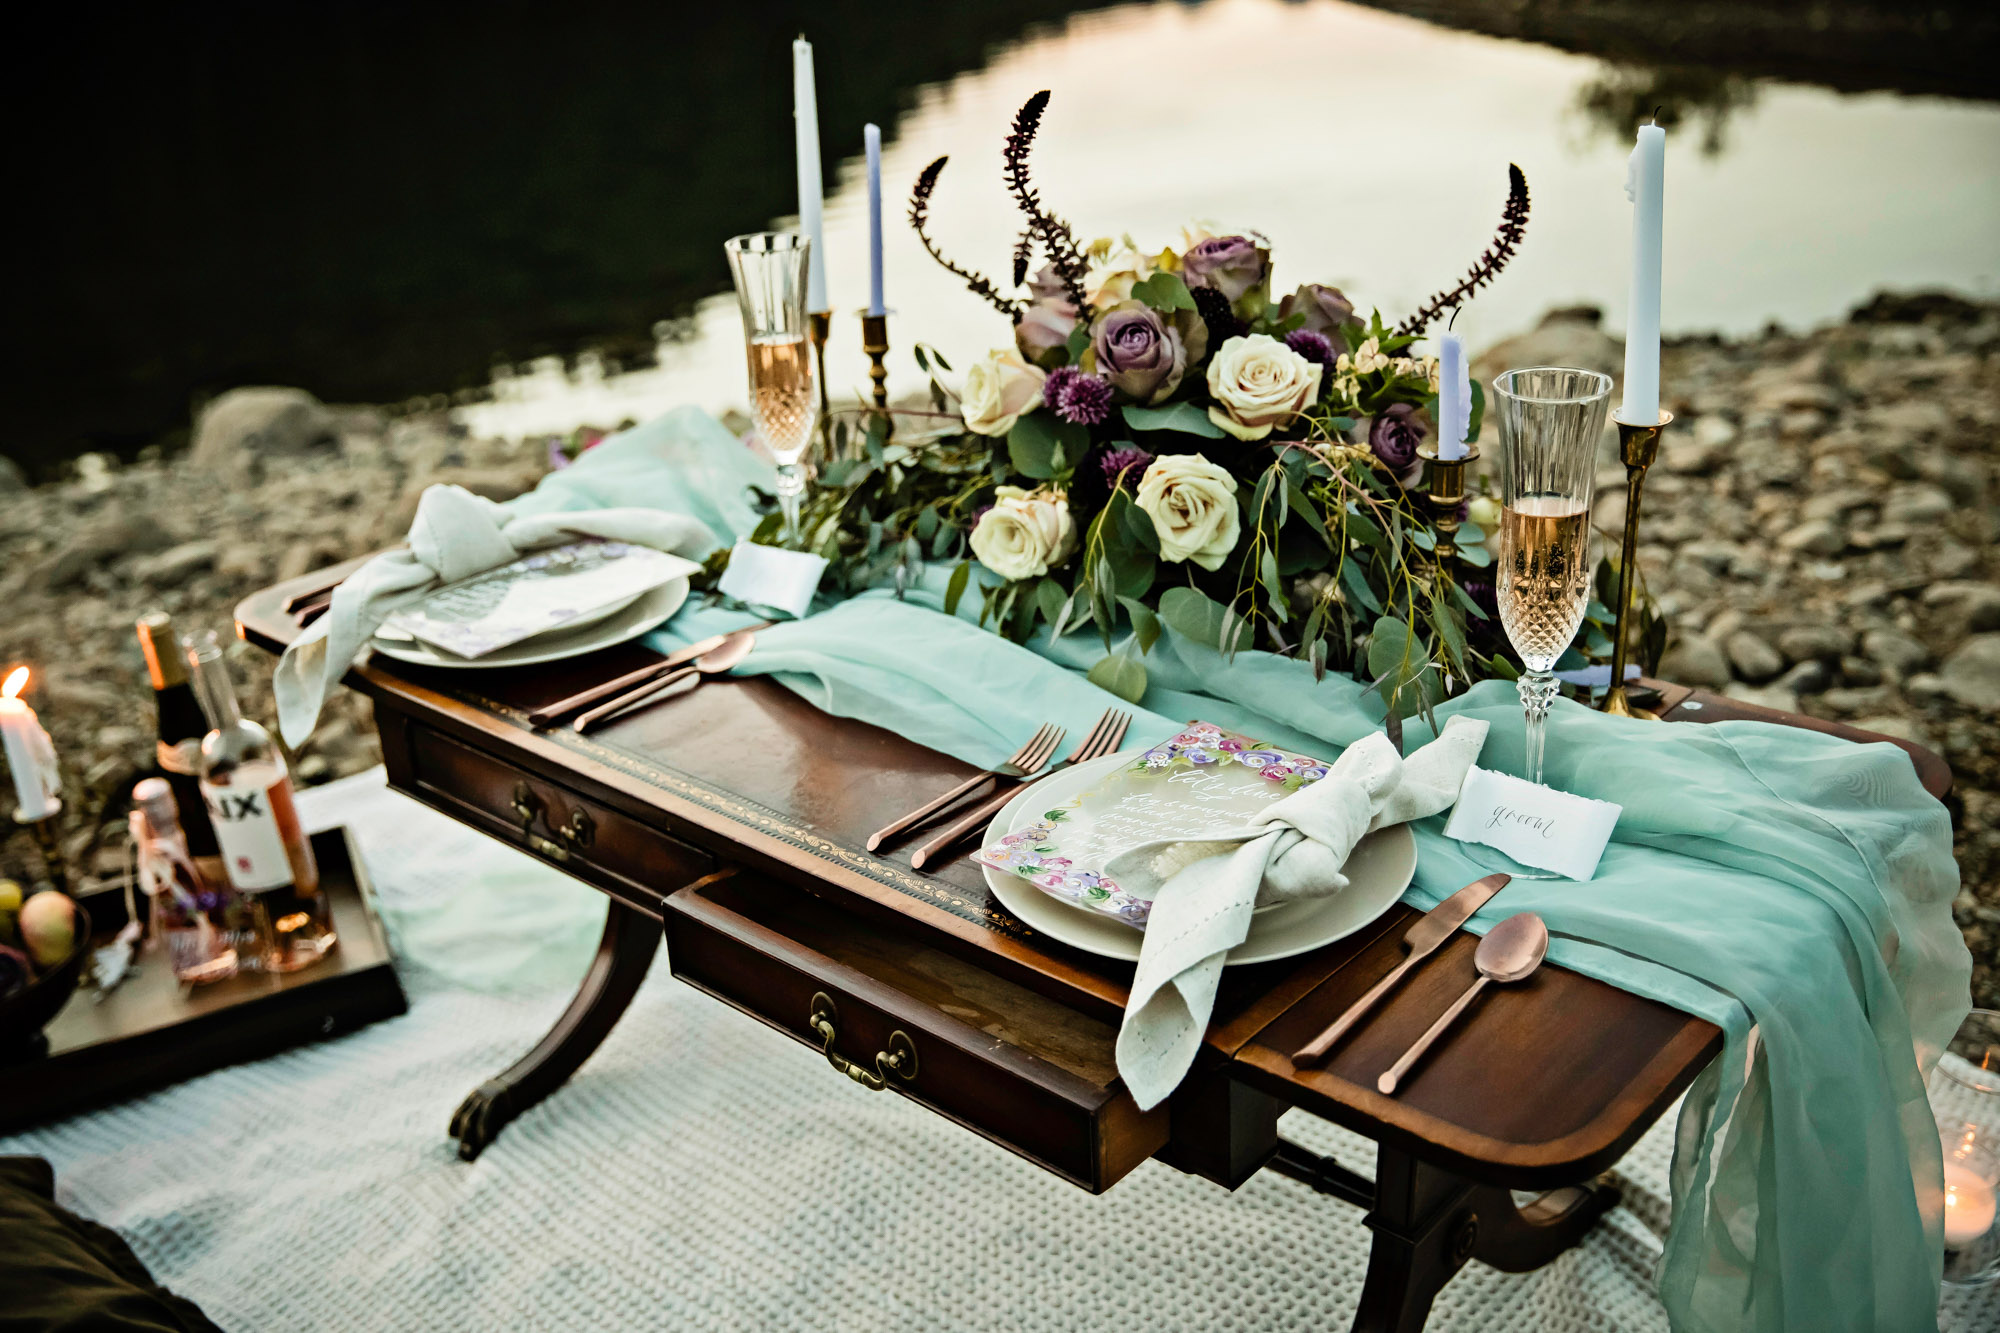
773	577
1536	825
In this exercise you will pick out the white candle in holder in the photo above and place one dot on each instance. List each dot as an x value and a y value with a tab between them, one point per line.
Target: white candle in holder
1968	1206
805	117
1645	186
31	757
1454	397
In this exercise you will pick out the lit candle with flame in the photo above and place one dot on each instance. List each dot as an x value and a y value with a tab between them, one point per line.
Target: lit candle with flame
31	758
1968	1207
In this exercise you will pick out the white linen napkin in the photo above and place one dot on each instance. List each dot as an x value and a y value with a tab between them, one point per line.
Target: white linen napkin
1204	892
456	534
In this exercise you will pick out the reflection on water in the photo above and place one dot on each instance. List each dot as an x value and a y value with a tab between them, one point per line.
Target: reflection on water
382	201
1375	158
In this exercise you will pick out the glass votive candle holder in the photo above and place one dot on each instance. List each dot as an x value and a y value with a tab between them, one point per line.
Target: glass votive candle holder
1965	1098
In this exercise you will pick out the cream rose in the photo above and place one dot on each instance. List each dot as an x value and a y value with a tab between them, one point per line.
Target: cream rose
1261	384
1192	503
999	390
1024	533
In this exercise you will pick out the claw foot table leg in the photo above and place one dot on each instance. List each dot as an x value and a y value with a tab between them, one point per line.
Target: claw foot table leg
1428	1223
624	952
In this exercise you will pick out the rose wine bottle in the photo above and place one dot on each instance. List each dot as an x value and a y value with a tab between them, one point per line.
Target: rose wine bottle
181	727
205	928
248	792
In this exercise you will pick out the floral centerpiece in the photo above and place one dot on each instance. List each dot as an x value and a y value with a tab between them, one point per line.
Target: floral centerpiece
1168	444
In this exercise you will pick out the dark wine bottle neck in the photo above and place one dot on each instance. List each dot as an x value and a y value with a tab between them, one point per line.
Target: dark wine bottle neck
180	715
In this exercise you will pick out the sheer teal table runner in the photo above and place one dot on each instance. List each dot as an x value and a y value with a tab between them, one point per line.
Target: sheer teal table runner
1790	887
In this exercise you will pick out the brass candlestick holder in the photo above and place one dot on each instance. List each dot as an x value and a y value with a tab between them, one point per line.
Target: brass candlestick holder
819	324
47	842
1447	495
875	342
1638	446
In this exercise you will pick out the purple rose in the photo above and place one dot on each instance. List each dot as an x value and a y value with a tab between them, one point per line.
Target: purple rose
1049	319
1136	350
1325	308
1394	435
1231	265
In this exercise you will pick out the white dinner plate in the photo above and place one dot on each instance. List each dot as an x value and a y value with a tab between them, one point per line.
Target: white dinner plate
1380	868
647	611
390	634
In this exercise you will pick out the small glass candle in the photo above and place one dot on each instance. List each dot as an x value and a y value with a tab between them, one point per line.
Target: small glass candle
1965	1098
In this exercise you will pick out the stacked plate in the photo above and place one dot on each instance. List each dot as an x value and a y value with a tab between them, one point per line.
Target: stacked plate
1378	872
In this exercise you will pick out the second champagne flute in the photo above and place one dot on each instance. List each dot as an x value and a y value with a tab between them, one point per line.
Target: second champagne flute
770	272
1550	420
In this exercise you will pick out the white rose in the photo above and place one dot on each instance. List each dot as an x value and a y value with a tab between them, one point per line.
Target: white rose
1024	534
1192	503
998	390
1261	384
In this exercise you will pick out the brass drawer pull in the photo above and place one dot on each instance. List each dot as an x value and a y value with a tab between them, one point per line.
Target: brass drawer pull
899	1061
576	835
579	832
526	805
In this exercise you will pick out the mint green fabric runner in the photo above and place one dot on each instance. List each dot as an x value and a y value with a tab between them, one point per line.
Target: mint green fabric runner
1792	888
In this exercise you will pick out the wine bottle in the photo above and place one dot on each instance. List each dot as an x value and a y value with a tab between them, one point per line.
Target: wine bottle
205	928
248	792
178	751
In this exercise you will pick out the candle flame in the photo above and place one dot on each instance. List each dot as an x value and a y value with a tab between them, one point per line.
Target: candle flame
17	680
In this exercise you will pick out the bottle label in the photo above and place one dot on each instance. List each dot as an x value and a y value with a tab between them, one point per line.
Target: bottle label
248	832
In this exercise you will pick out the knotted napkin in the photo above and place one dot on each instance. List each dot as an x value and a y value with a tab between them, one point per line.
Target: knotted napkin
1204	892
456	534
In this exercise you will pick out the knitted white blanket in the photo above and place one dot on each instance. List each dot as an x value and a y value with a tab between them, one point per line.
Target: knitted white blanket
702	1172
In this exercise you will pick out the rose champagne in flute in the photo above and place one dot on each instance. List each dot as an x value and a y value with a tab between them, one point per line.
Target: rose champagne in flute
770	273
1550	420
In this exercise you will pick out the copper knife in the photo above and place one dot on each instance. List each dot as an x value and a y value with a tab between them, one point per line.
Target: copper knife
561	708
1433	928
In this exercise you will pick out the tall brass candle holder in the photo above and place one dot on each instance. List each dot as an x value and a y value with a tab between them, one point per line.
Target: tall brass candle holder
1446	477
819	324
875	342
47	842
1638	446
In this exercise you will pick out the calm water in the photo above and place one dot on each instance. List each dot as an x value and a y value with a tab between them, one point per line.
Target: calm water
384	205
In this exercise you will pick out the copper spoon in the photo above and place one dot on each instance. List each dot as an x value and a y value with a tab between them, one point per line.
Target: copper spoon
1511	951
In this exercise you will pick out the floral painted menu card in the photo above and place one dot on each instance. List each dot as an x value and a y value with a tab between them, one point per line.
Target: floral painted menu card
1199	786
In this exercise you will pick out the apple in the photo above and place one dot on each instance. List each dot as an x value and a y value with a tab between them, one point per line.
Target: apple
48	927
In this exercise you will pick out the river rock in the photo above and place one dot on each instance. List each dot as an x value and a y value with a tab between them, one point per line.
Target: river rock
1974	607
1916	505
1695	659
1764	696
1705	448
1859	671
1817	536
176	564
1807	677
110	536
1755	660
257	422
1573	336
1897	653
1888	724
1972	674
12	479
1825	643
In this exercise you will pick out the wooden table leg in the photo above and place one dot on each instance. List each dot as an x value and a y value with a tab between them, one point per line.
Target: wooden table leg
1429	1222
624	952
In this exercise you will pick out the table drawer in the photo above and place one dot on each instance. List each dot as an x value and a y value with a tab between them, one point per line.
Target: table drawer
892	1012
630	860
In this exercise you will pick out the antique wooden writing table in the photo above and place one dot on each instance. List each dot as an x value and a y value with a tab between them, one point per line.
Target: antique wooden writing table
733	822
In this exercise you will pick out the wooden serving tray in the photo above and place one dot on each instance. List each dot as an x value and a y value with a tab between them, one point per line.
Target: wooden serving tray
150	1031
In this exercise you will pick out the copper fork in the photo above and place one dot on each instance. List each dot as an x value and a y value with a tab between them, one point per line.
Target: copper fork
1028	759
1104	738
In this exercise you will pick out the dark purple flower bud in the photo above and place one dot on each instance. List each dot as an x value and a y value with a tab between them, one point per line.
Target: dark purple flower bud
1325	309
1315	347
1138	352
1131	460
1394	435
1049	319
1231	265
1080	399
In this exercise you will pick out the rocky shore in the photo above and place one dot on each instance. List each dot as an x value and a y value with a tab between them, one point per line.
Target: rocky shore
1822	526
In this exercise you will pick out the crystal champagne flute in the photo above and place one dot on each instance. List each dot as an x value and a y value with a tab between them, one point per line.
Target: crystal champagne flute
770	272
1550	420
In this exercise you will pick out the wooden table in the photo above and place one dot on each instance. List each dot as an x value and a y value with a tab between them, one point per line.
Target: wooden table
732	821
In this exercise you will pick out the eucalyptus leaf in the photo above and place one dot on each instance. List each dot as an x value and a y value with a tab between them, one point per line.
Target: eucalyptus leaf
955	589
1033	445
1476	556
1193	614
1164	291
1145	624
1186	418
1051	599
1356	583
1121	675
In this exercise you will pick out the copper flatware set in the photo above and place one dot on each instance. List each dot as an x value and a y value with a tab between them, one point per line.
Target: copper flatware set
1104	738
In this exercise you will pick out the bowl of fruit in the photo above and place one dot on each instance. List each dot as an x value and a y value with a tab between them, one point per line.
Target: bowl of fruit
44	944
